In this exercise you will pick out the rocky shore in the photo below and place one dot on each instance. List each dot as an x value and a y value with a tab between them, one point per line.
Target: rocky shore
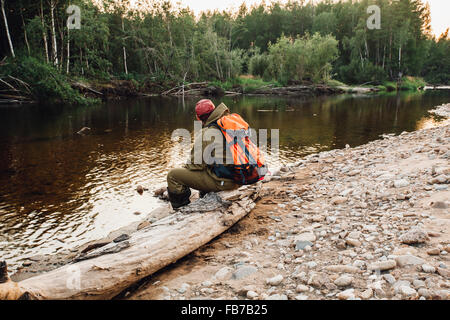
370	222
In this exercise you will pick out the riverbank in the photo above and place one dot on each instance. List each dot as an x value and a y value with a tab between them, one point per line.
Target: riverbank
369	222
327	192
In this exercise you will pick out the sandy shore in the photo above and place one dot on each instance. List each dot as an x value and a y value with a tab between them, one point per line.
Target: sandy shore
370	222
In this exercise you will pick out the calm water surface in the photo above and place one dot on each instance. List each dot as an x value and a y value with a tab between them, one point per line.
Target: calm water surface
59	189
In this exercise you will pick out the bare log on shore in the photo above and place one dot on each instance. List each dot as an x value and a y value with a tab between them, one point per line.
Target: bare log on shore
117	266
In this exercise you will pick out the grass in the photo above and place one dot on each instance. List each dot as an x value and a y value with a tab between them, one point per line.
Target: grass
246	83
406	84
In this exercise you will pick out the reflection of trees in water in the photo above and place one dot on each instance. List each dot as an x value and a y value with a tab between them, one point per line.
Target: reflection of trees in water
51	176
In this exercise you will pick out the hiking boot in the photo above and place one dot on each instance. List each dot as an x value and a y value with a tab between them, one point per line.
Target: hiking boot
178	200
202	194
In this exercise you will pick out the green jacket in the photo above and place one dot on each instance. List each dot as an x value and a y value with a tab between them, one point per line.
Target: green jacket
208	131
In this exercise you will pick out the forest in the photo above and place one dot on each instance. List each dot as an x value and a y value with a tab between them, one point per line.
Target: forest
157	44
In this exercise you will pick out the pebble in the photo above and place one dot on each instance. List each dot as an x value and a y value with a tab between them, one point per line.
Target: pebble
407	291
347	294
383	265
223	274
277	297
275	281
414	236
401	183
428	269
407	260
302	288
343	281
300	245
434	252
251	294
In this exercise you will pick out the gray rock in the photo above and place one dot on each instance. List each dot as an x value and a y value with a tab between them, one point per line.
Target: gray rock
389	278
300	245
408	292
409	260
223	274
401	183
243	272
121	238
414	236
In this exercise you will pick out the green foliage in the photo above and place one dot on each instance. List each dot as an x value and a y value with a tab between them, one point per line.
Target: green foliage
292	42
47	84
309	58
411	84
437	66
247	84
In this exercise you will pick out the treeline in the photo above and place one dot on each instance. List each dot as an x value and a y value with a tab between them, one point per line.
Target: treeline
298	41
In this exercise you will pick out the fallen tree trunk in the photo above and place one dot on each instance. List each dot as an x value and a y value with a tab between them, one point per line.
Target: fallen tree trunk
109	270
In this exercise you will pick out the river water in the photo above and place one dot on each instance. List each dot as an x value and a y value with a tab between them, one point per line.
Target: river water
59	189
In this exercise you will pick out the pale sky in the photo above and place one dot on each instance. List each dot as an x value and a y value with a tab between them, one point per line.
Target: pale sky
440	9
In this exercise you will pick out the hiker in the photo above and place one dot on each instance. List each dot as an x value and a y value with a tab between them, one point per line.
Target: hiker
206	176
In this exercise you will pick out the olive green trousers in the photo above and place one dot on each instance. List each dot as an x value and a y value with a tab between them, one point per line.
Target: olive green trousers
179	179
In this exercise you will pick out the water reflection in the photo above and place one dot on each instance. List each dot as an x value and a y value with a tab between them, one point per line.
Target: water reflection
59	189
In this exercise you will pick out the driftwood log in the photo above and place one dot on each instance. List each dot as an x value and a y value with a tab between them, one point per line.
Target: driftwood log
109	270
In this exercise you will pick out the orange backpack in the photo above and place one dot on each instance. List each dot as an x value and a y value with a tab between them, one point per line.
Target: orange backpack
248	163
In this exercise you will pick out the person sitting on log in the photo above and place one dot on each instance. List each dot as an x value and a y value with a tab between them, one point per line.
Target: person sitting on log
230	161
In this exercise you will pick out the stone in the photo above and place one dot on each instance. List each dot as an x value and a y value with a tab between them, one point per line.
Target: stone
408	292
300	245
443	272
302	288
424	293
428	269
251	294
277	297
243	272
143	224
343	281
353	242
440	205
121	238
206	283
343	268
301	297
338	200
389	278
223	274
409	260
367	294
184	287
401	183
414	236
434	252
347	294
305	236
382	265
405	250
418	283
275	281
